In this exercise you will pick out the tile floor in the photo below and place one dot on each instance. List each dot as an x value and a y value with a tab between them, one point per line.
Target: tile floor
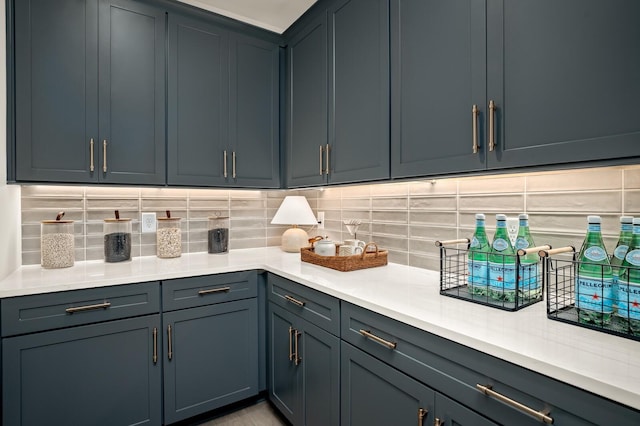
260	414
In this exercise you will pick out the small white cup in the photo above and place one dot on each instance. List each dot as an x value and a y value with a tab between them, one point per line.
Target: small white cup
349	250
355	243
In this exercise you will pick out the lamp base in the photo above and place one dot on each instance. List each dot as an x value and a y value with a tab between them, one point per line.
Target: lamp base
294	239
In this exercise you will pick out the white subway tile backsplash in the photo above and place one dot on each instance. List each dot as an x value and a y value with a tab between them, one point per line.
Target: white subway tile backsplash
576	180
491	185
586	202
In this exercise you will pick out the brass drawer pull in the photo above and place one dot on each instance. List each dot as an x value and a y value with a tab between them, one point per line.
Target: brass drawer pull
296	357
104	156
474	118
233	164
294	301
91	163
104	305
155	345
290	344
492	132
321	171
541	416
327	155
214	290
224	163
170	345
422	413
438	422
367	334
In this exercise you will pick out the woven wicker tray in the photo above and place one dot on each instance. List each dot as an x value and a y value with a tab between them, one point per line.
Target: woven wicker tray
347	263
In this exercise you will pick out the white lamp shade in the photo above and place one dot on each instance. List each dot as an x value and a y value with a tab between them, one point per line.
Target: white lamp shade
294	210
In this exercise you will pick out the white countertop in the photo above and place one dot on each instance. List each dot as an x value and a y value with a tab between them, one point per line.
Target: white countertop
603	364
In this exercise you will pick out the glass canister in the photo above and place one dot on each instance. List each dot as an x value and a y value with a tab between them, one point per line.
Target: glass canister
117	239
169	237
57	248
218	234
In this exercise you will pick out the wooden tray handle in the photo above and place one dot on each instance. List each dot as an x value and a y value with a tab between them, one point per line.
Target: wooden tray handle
364	250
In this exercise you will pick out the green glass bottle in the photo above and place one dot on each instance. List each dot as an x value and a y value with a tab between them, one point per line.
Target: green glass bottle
629	283
594	278
477	279
528	282
502	264
622	246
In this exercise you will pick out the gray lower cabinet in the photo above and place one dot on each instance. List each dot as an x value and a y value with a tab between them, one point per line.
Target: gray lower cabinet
90	91
374	393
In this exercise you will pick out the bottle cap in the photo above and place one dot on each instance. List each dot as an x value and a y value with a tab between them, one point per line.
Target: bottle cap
501	217
593	219
636	220
626	219
523	216
480	216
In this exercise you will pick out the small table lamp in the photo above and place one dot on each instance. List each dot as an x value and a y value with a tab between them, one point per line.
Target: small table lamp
294	210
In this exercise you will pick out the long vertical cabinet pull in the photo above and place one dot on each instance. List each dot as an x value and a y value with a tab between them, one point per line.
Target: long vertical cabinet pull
474	118
169	340
327	155
233	164
290	344
422	413
155	345
321	170
224	163
438	422
92	166
104	156
492	132
297	359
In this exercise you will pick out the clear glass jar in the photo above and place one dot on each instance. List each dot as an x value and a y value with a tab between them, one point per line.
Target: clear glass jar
218	235
57	247
117	240
169	237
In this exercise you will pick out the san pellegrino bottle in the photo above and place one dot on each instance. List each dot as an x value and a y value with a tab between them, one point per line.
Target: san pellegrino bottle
502	263
477	259
629	283
594	278
528	282
619	253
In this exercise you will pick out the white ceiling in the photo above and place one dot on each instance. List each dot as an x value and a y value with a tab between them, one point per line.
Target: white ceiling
273	15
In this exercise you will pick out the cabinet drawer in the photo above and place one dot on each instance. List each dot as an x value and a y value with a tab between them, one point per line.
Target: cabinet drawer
317	308
28	314
204	290
456	370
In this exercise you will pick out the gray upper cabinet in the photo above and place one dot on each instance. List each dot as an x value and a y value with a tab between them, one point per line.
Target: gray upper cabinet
338	96
223	107
438	73
89	91
564	78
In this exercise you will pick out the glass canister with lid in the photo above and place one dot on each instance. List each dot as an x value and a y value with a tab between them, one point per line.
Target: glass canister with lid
117	239
57	247
169	237
218	235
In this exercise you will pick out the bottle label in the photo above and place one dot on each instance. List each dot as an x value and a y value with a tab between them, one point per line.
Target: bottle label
595	294
528	277
521	243
626	227
502	276
474	242
633	257
593	227
629	300
595	254
620	251
478	273
500	244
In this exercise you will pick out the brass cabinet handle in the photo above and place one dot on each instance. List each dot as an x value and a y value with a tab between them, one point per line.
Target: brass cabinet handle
327	155
492	133
91	163
169	340
294	301
290	344
438	422
422	413
104	156
214	290
155	345
321	150
541	416
367	334
224	163
104	305
233	164
296	357
474	115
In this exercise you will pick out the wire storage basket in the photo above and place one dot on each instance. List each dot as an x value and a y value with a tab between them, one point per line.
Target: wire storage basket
464	278
615	312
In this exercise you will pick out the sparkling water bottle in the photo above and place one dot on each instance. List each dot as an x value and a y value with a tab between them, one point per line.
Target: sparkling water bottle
620	252
629	283
502	264
528	283
477	259
594	278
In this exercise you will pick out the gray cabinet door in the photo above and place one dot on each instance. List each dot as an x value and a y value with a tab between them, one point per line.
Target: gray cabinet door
564	76
254	112
359	91
373	393
197	107
210	357
100	374
131	92
307	105
56	105
449	412
438	73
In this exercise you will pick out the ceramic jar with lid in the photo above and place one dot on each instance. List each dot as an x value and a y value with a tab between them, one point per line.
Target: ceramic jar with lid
117	240
218	234
169	237
57	248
